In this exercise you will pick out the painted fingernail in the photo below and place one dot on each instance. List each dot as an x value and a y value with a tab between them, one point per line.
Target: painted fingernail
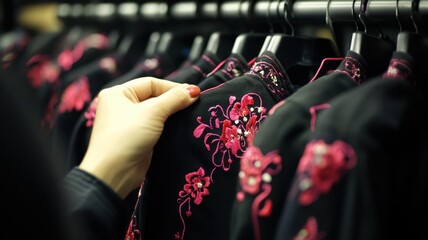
193	90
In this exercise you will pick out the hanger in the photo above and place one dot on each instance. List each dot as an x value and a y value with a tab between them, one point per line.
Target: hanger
376	50
221	43
410	42
248	45
294	51
197	48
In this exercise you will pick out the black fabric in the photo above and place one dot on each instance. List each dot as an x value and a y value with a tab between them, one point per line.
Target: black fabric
232	67
187	193
194	73
93	209
269	165
366	149
77	91
35	207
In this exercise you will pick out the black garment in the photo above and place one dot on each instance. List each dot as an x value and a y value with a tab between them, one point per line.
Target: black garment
33	206
194	73
268	167
234	66
356	178
189	188
77	91
95	211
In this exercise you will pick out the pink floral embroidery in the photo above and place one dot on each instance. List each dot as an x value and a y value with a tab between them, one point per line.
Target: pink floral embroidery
399	69
133	233
90	113
68	57
195	188
310	231
352	67
238	124
321	166
312	111
75	96
255	176
225	136
41	69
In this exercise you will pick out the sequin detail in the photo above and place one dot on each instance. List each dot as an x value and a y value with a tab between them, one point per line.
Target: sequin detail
353	68
272	77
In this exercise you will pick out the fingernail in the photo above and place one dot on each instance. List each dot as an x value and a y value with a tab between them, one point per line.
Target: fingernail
193	90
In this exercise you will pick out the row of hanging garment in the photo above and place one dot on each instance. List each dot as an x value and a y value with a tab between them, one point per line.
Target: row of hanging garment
291	138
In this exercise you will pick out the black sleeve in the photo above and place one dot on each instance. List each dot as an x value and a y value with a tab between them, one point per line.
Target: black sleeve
92	207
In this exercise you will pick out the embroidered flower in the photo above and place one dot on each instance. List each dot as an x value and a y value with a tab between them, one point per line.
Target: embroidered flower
310	231
41	69
229	130
66	60
132	233
321	166
90	113
195	188
75	96
255	177
399	69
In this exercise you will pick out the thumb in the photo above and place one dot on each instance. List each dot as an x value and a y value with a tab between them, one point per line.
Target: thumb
175	99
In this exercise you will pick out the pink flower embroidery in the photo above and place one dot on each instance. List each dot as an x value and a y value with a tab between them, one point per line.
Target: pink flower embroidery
255	176
68	57
41	69
229	130
75	96
132	232
321	166
90	113
310	231
66	60
195	188
225	136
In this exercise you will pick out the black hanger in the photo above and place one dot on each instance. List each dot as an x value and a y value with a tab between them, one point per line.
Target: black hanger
248	45
221	43
411	42
294	50
376	50
175	44
198	46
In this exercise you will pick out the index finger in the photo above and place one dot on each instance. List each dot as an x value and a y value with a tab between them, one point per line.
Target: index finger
147	87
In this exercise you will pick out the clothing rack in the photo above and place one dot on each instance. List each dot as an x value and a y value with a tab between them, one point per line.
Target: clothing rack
301	11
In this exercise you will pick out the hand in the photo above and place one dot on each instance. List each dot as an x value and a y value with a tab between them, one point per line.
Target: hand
129	121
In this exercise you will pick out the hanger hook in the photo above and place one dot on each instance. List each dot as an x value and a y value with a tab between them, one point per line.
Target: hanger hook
269	18
362	13
397	15
328	19
357	26
415	9
288	12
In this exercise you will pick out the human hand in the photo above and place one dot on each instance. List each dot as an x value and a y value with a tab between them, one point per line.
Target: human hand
129	121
